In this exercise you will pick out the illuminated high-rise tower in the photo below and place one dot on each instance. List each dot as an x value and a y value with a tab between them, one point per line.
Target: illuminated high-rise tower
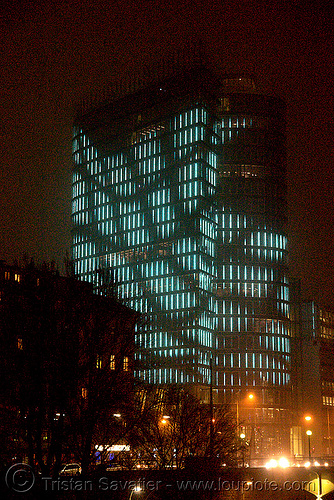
179	189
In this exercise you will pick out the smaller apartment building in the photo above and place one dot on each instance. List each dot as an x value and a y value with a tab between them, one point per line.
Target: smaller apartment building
313	380
67	359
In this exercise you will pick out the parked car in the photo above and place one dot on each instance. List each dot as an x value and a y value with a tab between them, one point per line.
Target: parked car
70	470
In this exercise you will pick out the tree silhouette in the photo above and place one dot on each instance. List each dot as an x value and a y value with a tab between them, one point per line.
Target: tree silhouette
174	425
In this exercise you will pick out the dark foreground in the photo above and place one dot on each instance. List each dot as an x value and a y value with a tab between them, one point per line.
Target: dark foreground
234	484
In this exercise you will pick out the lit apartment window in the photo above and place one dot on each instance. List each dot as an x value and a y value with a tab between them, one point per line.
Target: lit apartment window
7	275
112	362
99	361
84	392
20	344
126	363
17	277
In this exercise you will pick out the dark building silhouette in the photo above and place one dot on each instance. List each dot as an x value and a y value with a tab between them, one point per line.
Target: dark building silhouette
179	189
67	363
313	377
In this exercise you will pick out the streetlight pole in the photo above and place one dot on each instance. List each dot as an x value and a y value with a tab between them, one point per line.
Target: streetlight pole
329	451
211	409
309	434
252	441
136	489
237	406
242	437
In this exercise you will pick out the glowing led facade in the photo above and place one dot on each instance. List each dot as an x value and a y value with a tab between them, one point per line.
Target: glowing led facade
180	189
143	212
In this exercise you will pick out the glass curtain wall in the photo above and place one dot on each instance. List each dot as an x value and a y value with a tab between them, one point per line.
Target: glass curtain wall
144	213
180	191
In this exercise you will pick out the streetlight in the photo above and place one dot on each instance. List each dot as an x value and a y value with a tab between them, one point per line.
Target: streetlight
308	418
136	489
249	398
252	442
309	434
211	426
243	444
316	486
241	406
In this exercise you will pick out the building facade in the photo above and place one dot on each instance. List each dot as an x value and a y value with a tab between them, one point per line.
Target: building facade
67	366
179	189
313	377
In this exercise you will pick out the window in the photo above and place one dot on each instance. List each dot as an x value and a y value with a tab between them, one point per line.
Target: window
7	275
98	361
112	362
20	344
126	363
17	277
84	392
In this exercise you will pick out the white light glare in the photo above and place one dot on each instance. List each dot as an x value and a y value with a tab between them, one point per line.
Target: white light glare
272	464
283	462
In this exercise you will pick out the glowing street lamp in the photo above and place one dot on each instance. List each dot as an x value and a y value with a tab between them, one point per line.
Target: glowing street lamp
243	404
136	489
309	434
242	437
252	443
249	398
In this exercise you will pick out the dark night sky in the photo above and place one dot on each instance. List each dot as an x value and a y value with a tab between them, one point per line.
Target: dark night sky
54	53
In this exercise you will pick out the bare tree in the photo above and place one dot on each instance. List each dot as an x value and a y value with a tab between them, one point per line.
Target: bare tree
174	425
